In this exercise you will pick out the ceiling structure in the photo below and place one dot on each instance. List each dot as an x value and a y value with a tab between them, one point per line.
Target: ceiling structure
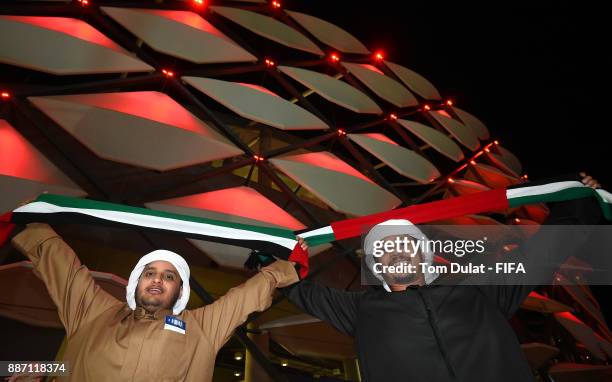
237	111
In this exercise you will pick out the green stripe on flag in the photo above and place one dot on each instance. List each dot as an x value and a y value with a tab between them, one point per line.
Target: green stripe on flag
557	196
606	207
320	239
563	195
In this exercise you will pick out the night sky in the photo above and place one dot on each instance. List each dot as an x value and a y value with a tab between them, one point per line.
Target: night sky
528	72
536	75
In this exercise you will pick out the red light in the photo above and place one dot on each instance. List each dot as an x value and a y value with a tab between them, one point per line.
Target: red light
451	180
393	116
472	162
199	2
487	149
269	62
258	158
334	57
496	142
379	56
449	102
525	176
5	95
341	132
517	220
83	2
426	107
168	73
276	4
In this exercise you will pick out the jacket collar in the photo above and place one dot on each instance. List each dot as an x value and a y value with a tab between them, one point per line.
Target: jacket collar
141	313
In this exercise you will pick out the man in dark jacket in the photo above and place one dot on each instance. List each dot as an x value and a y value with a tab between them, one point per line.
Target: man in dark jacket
417	331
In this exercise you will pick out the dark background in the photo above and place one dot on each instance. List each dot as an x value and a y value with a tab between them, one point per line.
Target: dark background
536	73
530	72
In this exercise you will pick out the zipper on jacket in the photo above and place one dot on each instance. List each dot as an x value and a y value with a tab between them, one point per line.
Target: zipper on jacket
434	328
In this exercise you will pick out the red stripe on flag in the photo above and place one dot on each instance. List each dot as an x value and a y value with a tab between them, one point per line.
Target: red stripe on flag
7	217
299	256
427	212
6	227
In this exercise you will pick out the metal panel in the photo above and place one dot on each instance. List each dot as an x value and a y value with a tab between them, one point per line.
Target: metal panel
269	28
61	45
257	104
129	127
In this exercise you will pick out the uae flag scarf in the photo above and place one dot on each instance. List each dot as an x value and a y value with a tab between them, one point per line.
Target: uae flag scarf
281	242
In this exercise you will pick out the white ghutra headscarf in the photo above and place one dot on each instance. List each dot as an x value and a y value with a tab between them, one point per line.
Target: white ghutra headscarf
181	267
396	227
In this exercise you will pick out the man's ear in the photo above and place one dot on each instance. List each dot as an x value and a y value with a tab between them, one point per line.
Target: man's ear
181	292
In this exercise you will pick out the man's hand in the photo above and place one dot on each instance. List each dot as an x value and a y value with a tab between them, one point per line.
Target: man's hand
589	181
300	256
19	227
302	243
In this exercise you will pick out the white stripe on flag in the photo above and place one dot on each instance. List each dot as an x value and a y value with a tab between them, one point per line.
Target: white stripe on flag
605	195
316	232
541	189
157	222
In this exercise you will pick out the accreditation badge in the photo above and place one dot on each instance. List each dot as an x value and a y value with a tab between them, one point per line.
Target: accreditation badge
175	324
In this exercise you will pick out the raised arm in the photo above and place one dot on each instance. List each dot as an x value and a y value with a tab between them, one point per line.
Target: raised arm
548	248
336	307
69	283
219	319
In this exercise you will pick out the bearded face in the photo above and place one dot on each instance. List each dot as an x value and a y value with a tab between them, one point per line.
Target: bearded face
401	259
159	287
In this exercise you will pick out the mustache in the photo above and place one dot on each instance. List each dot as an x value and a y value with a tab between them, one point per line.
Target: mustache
400	258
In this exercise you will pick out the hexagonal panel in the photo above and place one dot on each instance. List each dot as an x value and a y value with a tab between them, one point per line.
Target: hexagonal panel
434	138
404	161
62	45
129	127
333	90
181	34
385	87
463	134
25	173
329	33
257	103
336	183
269	28
414	81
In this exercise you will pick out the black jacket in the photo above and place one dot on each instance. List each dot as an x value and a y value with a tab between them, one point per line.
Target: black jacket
440	333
